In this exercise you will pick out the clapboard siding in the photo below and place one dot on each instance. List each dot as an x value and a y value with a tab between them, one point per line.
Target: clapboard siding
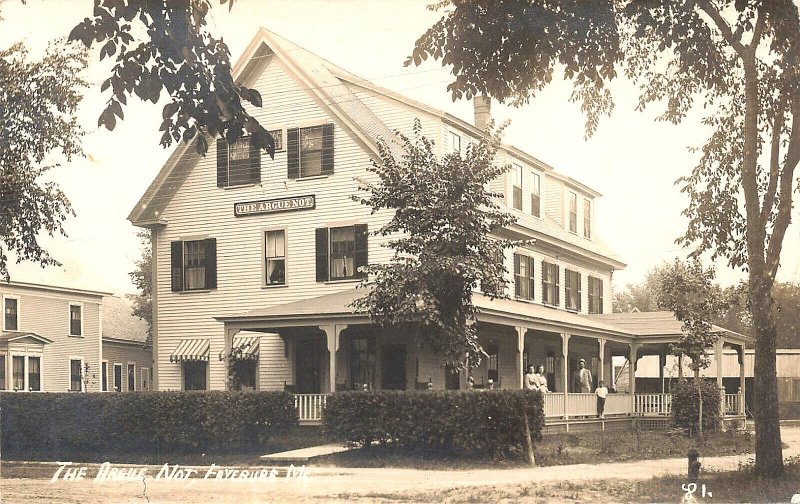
201	209
46	313
274	367
125	354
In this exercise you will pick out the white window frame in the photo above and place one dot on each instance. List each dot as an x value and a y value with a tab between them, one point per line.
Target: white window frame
127	377
69	319
570	196
587	231
207	380
69	373
25	370
518	178
114	376
536	176
451	144
283	138
144	376
19	312
104	367
264	232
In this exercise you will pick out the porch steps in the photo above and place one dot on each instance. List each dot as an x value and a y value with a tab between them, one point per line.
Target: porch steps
303	455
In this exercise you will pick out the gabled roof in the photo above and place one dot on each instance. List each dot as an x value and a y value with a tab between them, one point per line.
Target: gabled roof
119	322
9	336
334	88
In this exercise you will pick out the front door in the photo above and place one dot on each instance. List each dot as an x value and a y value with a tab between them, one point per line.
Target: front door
393	367
308	362
452	378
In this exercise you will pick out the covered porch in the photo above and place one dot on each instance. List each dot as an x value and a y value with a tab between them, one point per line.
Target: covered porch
315	346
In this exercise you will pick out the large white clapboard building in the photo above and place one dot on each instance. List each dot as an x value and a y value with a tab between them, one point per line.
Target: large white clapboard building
260	256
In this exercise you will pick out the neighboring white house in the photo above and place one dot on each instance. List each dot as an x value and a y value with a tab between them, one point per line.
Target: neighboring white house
260	256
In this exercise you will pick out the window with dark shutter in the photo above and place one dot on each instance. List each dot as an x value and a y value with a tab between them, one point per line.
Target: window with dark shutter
310	151
531	282
322	254
341	252
517	277
550	284
572	290
194	265
238	163
523	276
595	295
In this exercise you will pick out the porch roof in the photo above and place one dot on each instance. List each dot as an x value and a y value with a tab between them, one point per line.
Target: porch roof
7	336
659	325
338	305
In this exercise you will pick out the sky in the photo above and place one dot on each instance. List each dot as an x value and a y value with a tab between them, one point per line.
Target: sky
632	160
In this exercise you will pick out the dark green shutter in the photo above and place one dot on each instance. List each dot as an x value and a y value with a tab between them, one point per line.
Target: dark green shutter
255	161
327	148
578	289
362	246
177	265
599	301
517	287
545	273
556	284
293	153
210	246
322	254
222	163
531	282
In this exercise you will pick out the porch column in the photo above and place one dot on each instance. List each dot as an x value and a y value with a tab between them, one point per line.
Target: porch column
662	361
680	366
520	349
632	361
740	358
225	354
565	368
600	373
332	334
718	358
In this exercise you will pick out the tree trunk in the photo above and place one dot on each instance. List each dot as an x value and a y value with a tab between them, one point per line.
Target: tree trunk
769	455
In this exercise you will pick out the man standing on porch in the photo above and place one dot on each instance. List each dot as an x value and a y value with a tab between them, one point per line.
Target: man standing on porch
582	379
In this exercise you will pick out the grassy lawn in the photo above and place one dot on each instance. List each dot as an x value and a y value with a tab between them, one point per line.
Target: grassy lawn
294	438
732	486
585	448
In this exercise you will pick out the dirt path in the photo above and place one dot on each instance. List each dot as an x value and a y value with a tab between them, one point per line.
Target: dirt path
336	484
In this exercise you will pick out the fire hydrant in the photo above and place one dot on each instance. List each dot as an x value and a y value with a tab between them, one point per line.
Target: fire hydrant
694	466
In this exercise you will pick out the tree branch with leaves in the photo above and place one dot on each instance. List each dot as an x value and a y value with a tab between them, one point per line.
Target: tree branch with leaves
444	234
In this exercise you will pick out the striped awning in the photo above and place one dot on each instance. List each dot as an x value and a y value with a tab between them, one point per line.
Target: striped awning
245	347
190	350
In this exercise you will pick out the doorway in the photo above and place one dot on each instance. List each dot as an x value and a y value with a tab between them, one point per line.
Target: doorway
308	362
393	367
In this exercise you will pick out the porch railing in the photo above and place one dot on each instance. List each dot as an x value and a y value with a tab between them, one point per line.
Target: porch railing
618	404
731	404
309	406
553	405
652	404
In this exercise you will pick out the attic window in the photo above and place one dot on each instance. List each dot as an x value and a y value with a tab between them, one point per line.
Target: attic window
309	151
238	164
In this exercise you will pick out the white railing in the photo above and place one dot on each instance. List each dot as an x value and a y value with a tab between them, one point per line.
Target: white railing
581	405
652	404
731	404
309	406
553	405
618	404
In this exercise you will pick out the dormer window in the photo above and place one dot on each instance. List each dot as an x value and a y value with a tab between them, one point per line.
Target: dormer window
516	195
587	218
536	195
573	213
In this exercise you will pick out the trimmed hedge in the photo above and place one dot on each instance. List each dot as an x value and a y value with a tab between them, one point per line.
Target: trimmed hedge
686	405
484	423
141	422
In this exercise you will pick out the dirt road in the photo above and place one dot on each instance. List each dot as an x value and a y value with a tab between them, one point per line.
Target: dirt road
325	484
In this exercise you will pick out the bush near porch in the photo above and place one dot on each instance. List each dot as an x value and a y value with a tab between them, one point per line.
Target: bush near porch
686	405
53	424
483	423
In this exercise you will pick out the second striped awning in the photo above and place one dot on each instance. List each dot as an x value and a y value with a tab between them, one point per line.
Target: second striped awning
190	350
246	347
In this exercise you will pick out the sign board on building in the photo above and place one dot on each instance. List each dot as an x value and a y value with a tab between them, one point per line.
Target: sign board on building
291	204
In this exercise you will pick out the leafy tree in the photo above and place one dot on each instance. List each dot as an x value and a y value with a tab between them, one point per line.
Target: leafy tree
443	218
735	58
165	45
642	296
142	278
38	99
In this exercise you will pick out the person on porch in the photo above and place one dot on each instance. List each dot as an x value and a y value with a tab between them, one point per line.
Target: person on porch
582	379
530	379
602	393
540	379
